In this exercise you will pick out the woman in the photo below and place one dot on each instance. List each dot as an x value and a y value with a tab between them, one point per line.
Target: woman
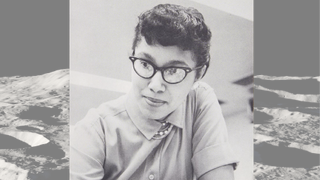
169	125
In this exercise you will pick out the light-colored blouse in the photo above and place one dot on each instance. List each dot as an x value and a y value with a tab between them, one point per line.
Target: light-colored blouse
111	143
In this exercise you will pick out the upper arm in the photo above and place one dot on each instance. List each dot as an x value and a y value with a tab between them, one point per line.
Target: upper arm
209	125
211	148
222	172
87	150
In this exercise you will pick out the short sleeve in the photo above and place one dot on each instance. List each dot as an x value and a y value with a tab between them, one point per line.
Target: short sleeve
87	149
211	148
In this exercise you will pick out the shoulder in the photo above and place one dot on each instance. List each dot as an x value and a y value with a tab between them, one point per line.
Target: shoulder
112	108
203	103
201	93
104	110
201	86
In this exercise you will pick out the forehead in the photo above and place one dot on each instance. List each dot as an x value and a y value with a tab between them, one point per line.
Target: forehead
164	55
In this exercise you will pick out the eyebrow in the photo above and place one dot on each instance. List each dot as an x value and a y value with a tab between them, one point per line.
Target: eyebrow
170	63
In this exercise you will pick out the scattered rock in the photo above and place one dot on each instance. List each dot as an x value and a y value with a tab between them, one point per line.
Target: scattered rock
286	140
34	114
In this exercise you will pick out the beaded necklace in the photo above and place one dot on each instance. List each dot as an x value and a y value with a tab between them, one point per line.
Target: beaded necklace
163	131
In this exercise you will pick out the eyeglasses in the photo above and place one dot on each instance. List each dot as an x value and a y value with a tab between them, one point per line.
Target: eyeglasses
171	75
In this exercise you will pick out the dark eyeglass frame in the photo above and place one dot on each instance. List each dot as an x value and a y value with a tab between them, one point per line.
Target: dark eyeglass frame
186	69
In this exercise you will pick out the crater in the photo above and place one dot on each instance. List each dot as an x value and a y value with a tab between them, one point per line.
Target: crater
27	128
32	139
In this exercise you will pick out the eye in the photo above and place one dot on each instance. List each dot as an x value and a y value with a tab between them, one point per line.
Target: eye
172	71
145	65
173	75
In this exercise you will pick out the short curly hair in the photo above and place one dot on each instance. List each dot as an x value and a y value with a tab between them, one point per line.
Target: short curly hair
175	25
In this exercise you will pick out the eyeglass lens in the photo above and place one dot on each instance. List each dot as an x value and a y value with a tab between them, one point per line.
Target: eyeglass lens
143	68
146	70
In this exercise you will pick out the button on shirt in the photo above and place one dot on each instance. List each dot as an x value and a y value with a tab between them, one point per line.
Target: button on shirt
151	176
112	143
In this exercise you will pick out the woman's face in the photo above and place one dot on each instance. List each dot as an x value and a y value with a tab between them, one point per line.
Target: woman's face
155	98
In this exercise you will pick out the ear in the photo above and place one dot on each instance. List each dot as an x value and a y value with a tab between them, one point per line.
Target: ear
202	72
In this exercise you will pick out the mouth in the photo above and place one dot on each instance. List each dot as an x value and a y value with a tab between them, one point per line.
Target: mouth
154	102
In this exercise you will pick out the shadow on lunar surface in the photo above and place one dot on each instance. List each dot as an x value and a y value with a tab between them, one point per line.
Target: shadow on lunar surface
42	113
282	156
306	86
48	149
269	99
50	175
27	128
9	142
262	118
37	112
33	139
314	112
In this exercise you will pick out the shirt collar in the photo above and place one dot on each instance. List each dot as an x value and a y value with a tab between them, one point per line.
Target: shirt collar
176	117
150	127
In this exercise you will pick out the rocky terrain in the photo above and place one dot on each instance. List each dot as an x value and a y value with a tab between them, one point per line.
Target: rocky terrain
34	127
286	118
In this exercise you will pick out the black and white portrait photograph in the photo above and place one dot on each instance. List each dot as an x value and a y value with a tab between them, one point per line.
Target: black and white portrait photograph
161	90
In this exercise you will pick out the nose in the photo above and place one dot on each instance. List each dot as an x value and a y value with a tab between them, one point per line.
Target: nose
156	83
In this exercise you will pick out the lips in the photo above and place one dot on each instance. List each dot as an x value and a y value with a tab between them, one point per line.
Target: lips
154	102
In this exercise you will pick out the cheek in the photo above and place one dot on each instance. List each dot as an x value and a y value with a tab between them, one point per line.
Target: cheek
138	82
133	76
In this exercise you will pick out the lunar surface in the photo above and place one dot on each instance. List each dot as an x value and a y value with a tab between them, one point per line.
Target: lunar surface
286	118
34	127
